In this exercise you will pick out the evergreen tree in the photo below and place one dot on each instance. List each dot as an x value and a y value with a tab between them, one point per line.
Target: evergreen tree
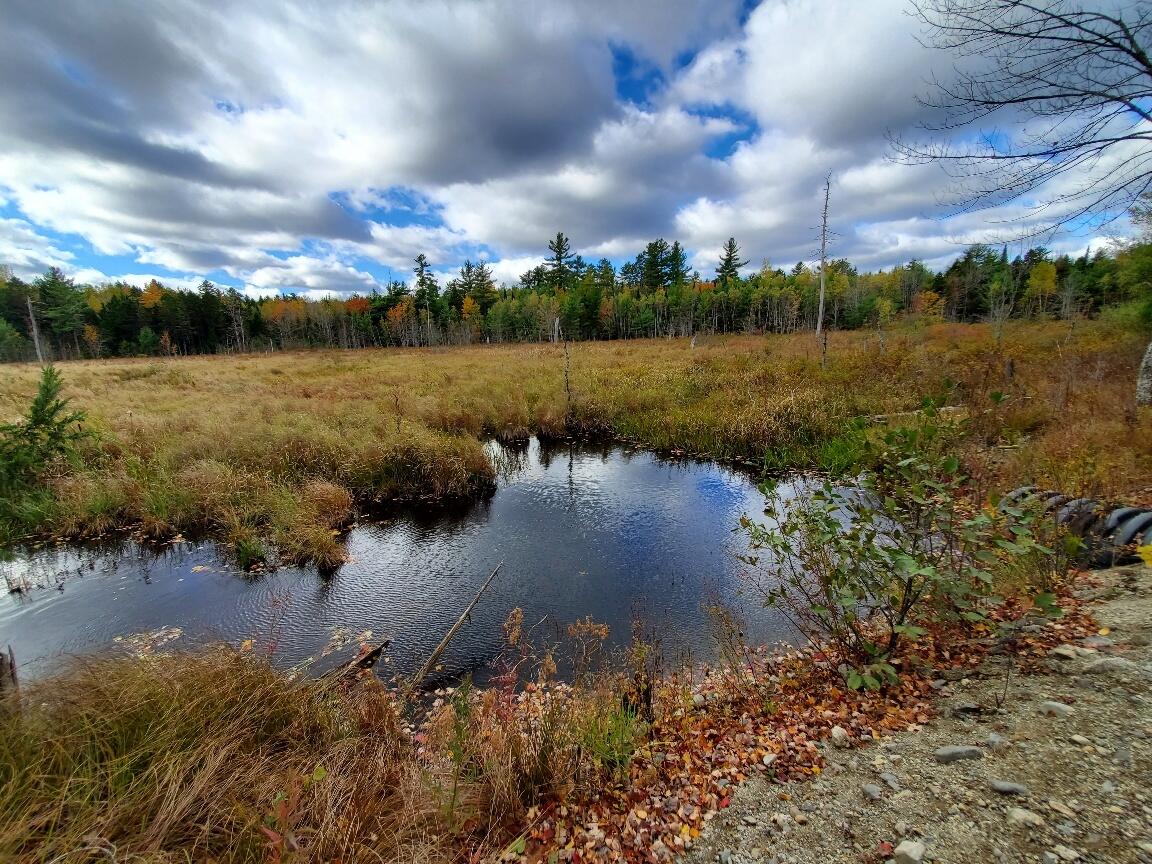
61	307
676	272
560	264
483	286
728	270
654	266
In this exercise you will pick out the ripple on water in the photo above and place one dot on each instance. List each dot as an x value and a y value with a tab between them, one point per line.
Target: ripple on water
605	532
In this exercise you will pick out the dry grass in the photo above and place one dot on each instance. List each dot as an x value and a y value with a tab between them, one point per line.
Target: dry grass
218	756
184	758
232	445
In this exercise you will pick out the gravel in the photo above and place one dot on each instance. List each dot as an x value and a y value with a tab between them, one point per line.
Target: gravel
1094	798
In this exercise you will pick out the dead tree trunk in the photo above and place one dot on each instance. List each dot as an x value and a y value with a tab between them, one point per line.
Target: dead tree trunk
1144	379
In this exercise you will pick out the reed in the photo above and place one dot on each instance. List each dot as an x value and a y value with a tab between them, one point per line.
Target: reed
231	444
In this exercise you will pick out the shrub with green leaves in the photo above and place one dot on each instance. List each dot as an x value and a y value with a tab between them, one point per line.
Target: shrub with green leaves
862	568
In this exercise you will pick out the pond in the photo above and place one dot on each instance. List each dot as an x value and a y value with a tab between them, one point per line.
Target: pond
621	535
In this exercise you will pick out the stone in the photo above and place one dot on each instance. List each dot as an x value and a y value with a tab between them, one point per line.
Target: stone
892	780
1066	854
1107	788
1050	858
957	752
997	742
1006	787
909	852
1097	642
1079	740
840	737
1112	664
1026	818
967	709
769	758
724	856
1054	709
698	700
1064	652
871	791
901	827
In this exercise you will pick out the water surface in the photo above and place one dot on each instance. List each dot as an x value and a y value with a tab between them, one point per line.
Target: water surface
609	532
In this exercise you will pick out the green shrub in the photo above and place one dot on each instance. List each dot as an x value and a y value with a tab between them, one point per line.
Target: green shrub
865	568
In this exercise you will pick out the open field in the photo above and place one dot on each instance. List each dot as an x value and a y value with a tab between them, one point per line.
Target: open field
279	446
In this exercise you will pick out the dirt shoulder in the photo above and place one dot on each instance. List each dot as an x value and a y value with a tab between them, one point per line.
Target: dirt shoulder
1062	771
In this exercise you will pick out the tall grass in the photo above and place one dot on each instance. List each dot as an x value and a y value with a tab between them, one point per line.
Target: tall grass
218	756
188	758
231	444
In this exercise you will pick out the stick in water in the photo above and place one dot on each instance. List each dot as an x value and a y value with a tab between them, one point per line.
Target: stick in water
431	662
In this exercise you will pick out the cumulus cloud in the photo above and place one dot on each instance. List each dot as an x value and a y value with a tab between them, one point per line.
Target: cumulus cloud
285	146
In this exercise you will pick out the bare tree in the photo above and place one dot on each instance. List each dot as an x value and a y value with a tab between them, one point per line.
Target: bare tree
1061	95
1058	93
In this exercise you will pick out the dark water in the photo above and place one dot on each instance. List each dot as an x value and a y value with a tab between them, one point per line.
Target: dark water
605	532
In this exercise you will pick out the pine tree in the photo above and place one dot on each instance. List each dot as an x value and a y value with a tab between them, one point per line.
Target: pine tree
560	264
728	271
677	268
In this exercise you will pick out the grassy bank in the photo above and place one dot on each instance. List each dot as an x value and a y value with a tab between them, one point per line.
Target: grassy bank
277	447
217	756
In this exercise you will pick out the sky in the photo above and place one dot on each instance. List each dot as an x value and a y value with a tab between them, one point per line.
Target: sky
318	146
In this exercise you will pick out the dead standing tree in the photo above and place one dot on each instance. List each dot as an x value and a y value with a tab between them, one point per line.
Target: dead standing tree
1059	93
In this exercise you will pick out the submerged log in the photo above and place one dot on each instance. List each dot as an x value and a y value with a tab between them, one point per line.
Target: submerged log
431	661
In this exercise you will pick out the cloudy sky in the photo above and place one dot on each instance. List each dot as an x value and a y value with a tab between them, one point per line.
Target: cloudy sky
319	145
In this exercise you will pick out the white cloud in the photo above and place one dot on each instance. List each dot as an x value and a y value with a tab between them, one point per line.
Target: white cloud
274	155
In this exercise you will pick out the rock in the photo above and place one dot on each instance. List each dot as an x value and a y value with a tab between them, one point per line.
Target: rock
1112	664
724	856
901	827
871	791
909	852
840	737
1054	709
1026	818
954	674
769	758
892	780
1006	787
698	700
1064	652
1079	740
939	684
967	709
1066	854
1097	642
1050	858
997	742
1107	788
957	752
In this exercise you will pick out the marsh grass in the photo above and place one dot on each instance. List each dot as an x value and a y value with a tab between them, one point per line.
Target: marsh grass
183	758
217	755
230	445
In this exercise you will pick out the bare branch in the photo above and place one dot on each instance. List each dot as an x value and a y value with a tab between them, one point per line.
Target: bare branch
1067	92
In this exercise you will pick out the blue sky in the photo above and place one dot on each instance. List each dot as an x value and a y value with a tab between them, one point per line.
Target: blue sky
275	149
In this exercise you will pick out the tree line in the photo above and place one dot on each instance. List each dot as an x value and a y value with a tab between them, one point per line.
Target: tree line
564	297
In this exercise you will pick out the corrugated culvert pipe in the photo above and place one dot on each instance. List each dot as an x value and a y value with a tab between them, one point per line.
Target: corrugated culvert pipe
1111	533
